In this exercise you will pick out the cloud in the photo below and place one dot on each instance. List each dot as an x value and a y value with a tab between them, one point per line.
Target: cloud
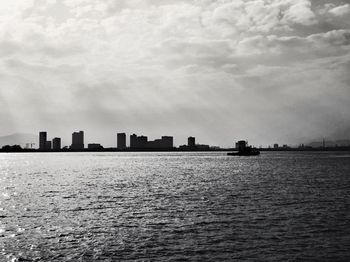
147	64
340	10
300	12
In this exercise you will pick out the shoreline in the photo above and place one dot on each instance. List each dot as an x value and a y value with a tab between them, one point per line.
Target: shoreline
337	149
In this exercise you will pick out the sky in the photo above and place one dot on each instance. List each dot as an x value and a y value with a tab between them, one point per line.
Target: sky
269	71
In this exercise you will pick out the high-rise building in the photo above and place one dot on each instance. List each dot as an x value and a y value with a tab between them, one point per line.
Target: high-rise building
275	146
77	141
133	141
48	145
42	140
121	141
56	143
191	142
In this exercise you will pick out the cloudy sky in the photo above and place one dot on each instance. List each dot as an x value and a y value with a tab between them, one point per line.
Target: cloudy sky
264	70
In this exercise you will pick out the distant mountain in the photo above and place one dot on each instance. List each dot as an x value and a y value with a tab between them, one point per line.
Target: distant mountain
329	143
19	139
343	142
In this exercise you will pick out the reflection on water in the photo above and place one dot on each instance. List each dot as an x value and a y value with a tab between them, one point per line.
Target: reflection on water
174	206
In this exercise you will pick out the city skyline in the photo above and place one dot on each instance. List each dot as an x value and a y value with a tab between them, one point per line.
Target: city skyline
56	141
139	142
135	142
165	143
271	71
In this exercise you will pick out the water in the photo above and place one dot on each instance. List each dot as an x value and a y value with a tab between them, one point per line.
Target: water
175	206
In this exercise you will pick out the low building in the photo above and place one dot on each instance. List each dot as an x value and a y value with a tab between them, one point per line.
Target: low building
138	142
56	143
142	142
95	146
202	147
48	145
166	142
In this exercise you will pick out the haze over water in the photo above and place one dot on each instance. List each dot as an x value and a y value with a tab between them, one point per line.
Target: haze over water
174	206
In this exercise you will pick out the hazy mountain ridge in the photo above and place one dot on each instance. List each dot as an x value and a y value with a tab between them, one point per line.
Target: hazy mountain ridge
18	139
331	143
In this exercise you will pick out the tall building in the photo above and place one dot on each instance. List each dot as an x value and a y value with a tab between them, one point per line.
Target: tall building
191	142
42	140
121	141
133	141
78	140
56	143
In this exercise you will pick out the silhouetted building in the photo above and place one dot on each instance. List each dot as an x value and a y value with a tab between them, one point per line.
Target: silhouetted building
191	142
48	145
121	141
138	142
42	140
142	141
56	143
191	145
241	145
133	141
183	147
275	146
14	148
166	142
94	146
202	147
77	141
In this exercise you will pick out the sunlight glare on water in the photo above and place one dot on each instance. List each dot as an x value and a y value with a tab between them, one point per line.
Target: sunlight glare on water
174	206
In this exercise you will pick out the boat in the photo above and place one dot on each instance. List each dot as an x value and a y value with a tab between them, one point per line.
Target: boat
244	150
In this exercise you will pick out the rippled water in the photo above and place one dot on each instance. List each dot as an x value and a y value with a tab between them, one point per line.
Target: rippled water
174	206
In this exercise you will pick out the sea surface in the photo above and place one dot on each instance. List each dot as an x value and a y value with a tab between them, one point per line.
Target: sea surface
280	206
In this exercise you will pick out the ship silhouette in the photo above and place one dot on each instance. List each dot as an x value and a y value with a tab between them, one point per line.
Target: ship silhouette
244	150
